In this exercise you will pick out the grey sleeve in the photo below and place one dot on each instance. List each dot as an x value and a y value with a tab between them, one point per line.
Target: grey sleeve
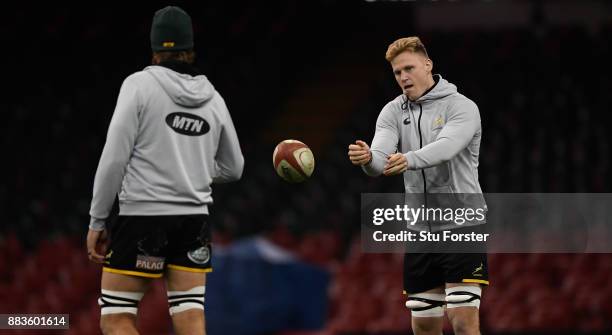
229	162
120	139
386	139
462	124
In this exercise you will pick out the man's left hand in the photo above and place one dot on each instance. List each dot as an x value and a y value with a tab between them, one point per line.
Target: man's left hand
396	164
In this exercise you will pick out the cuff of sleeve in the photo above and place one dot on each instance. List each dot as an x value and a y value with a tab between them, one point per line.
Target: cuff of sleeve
97	224
412	160
369	169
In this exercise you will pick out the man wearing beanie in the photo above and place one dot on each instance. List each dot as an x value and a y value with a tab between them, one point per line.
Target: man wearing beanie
170	137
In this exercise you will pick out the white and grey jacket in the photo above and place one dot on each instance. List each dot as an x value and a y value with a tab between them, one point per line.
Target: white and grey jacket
170	137
439	134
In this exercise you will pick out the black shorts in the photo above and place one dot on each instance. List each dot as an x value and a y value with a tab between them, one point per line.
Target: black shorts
146	245
425	271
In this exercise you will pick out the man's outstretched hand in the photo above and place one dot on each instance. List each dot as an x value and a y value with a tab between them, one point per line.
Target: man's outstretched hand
359	153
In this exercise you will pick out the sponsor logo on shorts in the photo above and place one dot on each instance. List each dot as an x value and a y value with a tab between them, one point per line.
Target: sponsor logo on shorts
107	257
149	262
200	255
478	271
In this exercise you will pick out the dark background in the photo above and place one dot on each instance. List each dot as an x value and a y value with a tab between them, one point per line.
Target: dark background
314	71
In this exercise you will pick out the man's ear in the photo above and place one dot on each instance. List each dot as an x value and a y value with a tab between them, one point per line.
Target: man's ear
429	65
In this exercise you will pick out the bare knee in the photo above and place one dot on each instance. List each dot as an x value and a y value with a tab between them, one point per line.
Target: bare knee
190	322
465	325
427	326
121	323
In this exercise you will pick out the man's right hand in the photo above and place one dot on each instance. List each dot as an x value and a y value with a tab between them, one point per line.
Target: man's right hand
359	153
96	245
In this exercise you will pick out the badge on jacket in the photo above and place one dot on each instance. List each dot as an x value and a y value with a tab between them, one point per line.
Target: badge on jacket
438	121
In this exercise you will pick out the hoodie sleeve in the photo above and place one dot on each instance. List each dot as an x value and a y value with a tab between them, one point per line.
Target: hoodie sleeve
386	139
462	124
229	161
120	139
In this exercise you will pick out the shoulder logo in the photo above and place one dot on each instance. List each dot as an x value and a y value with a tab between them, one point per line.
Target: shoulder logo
187	124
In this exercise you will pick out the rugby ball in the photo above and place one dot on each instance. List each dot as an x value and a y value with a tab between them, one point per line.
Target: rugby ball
293	161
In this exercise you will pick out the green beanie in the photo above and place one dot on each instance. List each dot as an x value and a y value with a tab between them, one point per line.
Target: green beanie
171	30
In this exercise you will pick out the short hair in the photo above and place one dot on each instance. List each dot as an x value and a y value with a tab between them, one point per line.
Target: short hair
412	44
187	56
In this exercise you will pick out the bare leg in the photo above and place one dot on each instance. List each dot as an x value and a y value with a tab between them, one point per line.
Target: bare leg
191	321
121	323
465	320
428	325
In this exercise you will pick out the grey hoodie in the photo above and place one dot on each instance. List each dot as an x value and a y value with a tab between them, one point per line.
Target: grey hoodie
439	134
170	137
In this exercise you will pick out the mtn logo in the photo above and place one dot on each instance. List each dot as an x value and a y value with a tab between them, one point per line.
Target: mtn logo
187	124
